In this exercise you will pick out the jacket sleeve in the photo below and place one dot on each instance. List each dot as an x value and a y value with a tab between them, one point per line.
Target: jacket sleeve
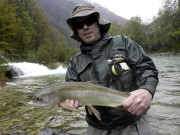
144	70
71	74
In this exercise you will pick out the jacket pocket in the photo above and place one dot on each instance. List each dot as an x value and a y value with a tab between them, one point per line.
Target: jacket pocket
127	80
87	72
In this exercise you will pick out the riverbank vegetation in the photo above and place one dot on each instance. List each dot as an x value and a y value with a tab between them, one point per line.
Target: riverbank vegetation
26	33
3	77
161	35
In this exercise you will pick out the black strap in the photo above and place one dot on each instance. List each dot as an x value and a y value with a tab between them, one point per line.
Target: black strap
135	124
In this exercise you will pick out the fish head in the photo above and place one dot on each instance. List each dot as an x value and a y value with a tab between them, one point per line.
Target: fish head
47	99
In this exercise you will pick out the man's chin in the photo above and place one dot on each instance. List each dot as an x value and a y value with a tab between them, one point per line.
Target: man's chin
88	41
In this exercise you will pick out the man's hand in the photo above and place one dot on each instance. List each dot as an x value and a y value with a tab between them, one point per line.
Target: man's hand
70	104
138	101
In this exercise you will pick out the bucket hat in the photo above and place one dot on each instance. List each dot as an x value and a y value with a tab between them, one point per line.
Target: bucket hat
83	10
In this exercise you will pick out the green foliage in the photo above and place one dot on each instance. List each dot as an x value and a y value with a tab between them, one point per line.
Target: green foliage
167	26
48	55
163	34
10	26
26	34
2	72
160	35
54	49
135	30
115	29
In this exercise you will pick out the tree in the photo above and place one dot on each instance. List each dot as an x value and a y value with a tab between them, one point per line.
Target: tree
115	29
135	29
164	31
9	28
170	24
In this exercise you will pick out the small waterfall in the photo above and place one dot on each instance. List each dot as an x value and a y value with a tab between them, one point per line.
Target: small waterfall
25	69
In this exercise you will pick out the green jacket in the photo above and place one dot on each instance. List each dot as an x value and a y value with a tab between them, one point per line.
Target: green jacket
91	64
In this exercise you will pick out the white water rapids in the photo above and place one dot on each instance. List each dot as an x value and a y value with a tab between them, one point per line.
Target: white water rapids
35	69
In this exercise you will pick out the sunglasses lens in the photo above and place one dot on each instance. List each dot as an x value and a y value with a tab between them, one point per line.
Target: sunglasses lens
79	25
88	22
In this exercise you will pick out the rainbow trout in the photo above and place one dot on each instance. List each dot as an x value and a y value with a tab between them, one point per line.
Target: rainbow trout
88	94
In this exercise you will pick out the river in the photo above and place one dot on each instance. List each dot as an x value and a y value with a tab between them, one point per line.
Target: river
20	116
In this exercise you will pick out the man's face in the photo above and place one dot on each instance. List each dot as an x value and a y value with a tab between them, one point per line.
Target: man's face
87	29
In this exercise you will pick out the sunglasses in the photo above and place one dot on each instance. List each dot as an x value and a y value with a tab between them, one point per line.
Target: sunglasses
89	21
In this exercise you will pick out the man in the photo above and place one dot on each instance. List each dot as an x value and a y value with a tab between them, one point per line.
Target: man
140	76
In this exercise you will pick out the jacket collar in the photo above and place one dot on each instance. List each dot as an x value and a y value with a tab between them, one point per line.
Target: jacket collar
96	47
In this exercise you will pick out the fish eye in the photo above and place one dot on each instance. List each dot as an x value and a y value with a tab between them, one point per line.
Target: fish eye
39	99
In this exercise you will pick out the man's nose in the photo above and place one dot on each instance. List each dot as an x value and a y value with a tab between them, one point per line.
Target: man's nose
85	26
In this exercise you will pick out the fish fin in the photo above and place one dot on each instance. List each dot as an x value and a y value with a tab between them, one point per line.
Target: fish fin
120	107
89	110
65	106
96	113
93	82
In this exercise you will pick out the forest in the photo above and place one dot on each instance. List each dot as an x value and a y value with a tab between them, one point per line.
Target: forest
161	35
26	33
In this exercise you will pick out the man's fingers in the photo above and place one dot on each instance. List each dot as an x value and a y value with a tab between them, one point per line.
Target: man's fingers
128	102
70	103
67	101
76	104
138	101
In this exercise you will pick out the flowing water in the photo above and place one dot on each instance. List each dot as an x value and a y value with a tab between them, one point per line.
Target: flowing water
20	116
